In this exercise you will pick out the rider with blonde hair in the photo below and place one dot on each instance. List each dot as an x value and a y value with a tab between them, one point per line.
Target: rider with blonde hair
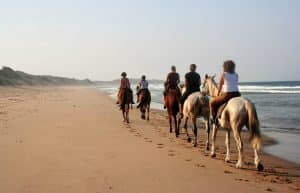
227	88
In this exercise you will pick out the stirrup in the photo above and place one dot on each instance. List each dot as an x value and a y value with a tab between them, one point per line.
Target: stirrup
215	121
180	115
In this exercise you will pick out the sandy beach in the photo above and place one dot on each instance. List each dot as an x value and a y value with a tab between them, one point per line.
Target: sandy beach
73	140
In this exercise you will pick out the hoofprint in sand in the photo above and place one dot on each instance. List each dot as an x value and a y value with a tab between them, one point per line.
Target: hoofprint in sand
72	139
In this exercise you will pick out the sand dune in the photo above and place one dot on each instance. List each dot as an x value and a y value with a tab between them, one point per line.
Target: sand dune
72	139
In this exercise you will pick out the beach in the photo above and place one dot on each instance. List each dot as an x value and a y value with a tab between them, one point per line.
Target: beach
73	140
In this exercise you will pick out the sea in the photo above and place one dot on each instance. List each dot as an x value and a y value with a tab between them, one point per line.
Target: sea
277	104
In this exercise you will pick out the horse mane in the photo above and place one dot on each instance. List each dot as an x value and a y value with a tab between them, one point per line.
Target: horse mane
213	85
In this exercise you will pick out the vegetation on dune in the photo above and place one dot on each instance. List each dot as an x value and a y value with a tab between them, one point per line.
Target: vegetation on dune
10	77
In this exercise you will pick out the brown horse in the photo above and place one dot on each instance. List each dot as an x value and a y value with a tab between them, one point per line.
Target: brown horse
144	106
172	100
125	99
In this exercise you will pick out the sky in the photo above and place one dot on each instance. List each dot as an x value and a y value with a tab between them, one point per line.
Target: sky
99	39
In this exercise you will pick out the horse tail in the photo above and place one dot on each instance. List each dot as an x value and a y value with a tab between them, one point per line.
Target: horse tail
175	108
253	126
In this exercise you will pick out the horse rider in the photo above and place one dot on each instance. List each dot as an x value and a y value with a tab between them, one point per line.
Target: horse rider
123	88
142	86
227	88
172	81
192	84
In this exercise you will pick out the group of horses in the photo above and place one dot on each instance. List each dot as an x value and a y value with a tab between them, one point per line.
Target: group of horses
239	112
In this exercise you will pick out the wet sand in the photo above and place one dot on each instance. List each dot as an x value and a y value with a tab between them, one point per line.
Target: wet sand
72	139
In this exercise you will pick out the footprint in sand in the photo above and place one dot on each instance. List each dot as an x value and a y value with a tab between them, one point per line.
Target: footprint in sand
147	140
200	166
227	172
269	190
188	160
160	145
241	180
171	154
138	134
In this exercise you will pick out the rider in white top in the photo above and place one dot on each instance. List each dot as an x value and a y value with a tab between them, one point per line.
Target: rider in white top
230	82
143	84
228	85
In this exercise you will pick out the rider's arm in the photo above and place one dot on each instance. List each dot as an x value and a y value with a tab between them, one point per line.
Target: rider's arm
200	81
221	83
186	83
120	84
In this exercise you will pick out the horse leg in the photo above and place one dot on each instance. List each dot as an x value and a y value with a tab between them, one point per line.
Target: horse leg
127	112
186	130
257	161
227	143
148	112
214	134
239	144
170	123
208	131
195	131
175	122
177	126
124	116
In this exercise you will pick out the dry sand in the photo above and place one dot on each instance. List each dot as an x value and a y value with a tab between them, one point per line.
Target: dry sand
72	140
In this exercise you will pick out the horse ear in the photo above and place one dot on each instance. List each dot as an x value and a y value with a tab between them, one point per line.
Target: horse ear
214	76
206	76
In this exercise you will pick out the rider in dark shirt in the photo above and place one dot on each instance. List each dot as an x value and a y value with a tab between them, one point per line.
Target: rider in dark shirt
192	84
172	82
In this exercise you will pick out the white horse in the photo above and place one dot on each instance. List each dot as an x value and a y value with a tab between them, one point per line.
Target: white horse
195	106
239	112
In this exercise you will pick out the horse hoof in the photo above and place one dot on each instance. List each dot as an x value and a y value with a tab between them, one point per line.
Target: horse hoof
260	167
238	165
189	140
213	155
195	144
207	148
227	160
177	134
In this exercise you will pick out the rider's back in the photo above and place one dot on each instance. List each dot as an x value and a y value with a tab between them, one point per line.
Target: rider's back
230	82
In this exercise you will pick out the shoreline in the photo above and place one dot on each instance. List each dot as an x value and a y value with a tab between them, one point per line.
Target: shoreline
72	139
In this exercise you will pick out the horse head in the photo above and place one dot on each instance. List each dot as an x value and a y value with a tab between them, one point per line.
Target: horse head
182	88
209	85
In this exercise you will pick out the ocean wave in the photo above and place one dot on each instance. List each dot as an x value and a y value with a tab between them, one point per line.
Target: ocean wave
270	87
271	91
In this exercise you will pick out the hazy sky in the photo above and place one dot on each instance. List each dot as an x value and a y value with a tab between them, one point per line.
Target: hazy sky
100	39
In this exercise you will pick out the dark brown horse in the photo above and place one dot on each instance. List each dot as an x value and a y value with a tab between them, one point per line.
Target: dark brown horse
172	103
125	99
145	101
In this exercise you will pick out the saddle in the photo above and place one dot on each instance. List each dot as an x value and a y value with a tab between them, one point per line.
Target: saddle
174	90
221	109
125	97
